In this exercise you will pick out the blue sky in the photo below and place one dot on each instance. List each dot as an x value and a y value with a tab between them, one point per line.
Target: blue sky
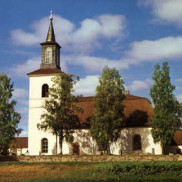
131	36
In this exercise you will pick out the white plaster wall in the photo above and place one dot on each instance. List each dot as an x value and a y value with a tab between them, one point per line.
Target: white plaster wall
35	85
21	151
35	111
86	144
148	145
123	145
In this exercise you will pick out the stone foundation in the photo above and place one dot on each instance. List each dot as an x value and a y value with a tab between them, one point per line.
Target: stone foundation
98	158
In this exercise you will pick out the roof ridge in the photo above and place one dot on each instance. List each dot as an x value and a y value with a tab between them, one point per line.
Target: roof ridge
133	97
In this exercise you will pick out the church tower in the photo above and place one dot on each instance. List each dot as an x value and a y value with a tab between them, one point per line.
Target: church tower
41	142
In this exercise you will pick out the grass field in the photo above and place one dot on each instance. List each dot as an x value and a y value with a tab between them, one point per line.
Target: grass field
103	171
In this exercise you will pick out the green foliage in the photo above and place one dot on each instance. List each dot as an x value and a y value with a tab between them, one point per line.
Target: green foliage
167	110
108	119
61	109
9	119
140	168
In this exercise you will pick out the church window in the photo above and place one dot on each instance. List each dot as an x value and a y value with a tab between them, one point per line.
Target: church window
48	55
137	145
45	90
44	144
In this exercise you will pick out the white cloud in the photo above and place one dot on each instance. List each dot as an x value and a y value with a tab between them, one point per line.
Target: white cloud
22	69
20	93
168	11
86	86
74	39
179	98
178	88
150	50
24	102
23	134
28	66
139	85
94	64
79	41
20	37
22	110
179	80
143	51
24	121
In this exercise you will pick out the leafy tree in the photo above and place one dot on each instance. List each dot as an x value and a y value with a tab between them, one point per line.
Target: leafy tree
167	112
61	109
9	119
108	119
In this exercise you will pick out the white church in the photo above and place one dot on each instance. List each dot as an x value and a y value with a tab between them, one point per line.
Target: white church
135	136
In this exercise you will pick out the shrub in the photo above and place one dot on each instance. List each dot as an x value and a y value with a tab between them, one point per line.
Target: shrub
140	168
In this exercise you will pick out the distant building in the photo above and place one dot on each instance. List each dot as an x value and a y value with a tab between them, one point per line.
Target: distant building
176	146
19	146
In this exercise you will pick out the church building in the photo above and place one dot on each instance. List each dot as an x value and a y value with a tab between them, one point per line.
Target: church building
135	136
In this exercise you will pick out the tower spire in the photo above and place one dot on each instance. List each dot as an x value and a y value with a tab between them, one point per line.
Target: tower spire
50	34
50	49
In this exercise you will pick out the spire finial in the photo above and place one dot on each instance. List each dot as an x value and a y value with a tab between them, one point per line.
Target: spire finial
50	34
51	17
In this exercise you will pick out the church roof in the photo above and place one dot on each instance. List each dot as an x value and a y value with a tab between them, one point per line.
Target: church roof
45	71
135	107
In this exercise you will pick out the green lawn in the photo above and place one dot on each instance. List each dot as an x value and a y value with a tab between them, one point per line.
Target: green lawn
100	171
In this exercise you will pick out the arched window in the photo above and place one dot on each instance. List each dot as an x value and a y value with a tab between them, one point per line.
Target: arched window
137	145
45	90
44	144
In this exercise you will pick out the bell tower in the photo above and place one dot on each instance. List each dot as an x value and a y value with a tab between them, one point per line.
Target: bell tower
40	81
50	49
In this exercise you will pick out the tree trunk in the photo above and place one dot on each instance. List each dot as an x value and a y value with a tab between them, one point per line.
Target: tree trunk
163	149
61	143
108	149
56	145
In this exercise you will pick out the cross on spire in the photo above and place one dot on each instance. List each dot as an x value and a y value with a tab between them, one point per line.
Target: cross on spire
51	17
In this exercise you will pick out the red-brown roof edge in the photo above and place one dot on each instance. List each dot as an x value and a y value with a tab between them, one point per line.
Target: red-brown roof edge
45	71
128	97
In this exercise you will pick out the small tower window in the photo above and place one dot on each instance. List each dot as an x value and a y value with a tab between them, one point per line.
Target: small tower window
45	90
48	55
44	144
137	145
